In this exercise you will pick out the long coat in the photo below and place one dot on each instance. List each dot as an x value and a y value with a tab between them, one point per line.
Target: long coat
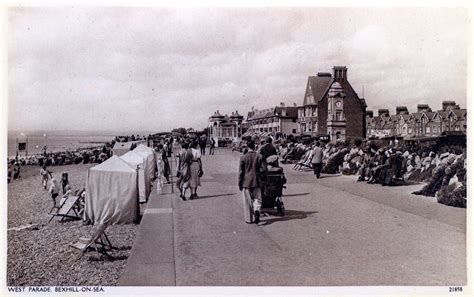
251	170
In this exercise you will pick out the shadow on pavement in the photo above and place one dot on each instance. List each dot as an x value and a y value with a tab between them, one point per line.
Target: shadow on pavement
213	196
298	194
329	175
289	215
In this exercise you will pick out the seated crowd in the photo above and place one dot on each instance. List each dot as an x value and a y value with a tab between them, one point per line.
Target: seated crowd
443	169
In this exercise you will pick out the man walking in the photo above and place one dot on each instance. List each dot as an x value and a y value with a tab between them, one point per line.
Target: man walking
317	160
251	170
212	144
202	144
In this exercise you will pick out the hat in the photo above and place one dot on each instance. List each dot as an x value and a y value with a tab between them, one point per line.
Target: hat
268	140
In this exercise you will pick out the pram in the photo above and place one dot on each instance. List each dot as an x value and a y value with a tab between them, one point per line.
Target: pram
273	190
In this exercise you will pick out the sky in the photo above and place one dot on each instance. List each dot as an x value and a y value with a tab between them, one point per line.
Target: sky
154	69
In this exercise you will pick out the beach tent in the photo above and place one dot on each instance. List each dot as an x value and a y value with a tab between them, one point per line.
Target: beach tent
111	193
121	148
137	161
149	154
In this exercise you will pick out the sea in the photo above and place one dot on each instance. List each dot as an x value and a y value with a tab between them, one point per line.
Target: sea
56	141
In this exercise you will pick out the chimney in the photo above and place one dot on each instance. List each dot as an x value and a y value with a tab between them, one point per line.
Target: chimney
324	74
448	104
401	109
282	104
294	104
384	111
423	107
340	73
369	113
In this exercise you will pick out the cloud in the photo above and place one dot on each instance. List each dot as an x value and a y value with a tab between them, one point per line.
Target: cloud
159	68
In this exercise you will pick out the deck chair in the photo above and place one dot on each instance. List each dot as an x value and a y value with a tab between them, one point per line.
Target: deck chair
98	242
69	207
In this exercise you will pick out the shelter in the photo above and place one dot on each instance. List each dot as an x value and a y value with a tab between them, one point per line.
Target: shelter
121	148
137	161
149	154
112	193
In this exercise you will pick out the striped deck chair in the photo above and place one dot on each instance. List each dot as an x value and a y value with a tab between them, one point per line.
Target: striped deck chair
98	242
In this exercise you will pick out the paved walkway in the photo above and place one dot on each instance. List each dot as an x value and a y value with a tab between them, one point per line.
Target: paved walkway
335	232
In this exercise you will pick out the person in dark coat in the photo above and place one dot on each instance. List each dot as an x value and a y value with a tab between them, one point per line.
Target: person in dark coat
251	172
202	145
268	149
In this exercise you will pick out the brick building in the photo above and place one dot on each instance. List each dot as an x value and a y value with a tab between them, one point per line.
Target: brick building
423	123
332	107
275	121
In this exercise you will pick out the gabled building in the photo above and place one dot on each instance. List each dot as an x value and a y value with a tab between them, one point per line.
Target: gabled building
423	123
332	107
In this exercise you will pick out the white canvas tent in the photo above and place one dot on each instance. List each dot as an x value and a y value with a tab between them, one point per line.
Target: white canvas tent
111	193
149	155
137	161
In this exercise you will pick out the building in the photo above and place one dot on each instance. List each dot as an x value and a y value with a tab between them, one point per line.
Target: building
276	121
423	123
224	127
332	107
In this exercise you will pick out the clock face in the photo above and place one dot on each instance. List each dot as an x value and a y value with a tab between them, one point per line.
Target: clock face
338	103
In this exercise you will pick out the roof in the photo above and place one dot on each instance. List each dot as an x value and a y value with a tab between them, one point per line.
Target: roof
429	114
405	116
115	164
132	158
123	145
318	85
443	114
416	115
143	148
460	113
394	117
291	111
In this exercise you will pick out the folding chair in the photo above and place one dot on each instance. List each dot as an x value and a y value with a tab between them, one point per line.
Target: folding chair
98	242
69	207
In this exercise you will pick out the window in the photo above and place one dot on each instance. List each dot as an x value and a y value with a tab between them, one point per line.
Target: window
338	116
293	120
428	130
456	127
294	131
435	129
409	131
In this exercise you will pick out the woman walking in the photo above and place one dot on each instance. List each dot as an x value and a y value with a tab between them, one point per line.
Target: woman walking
195	169
184	161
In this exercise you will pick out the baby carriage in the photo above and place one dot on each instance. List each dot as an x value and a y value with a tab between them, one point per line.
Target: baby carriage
273	186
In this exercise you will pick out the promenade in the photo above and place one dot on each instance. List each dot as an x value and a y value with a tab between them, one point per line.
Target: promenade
334	232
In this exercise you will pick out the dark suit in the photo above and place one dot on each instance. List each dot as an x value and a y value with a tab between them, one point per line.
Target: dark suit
267	150
251	171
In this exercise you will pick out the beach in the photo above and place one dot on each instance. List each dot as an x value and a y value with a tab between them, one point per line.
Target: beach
39	253
55	141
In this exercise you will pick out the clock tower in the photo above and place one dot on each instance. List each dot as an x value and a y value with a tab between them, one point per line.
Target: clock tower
336	119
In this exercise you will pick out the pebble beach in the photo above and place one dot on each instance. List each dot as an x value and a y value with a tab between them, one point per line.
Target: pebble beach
39	253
